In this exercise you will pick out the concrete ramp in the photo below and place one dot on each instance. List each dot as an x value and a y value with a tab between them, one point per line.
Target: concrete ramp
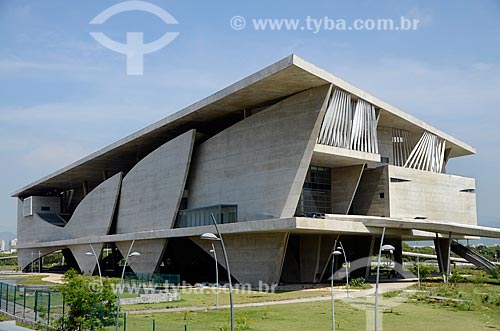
473	257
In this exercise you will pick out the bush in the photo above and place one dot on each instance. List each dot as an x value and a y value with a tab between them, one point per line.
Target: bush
90	307
357	282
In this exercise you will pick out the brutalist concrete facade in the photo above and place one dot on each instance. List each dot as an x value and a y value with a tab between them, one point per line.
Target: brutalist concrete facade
289	160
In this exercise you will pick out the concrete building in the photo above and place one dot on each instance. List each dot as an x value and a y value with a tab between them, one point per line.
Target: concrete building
288	159
13	246
2	245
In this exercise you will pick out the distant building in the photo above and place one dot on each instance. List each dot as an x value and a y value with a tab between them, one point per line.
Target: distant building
288	160
13	246
2	245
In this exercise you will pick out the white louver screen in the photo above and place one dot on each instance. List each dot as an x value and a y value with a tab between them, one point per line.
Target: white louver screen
401	146
428	154
349	124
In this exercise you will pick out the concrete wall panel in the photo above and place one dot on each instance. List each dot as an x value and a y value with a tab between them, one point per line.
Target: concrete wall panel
345	182
252	257
152	190
151	253
433	195
260	163
372	195
87	263
95	213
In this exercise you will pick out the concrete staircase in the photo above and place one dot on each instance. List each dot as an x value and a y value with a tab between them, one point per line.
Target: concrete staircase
473	257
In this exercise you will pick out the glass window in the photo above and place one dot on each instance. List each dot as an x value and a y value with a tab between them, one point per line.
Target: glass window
27	207
316	194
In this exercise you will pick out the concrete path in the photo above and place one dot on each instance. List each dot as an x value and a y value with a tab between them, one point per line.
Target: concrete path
338	294
11	326
54	278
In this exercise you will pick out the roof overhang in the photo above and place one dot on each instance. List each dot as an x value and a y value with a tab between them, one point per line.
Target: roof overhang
286	77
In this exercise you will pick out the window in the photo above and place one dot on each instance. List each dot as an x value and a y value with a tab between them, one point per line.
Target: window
316	194
384	159
399	180
28	207
468	190
45	208
381	195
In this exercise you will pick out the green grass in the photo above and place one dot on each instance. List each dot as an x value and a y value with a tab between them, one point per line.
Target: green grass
316	316
34	280
206	297
414	313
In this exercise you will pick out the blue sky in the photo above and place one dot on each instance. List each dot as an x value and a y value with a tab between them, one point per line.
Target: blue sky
63	95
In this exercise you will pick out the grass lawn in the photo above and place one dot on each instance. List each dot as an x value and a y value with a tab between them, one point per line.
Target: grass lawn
316	316
480	310
206	297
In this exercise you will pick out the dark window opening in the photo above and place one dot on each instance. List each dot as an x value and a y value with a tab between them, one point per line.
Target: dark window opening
316	196
381	195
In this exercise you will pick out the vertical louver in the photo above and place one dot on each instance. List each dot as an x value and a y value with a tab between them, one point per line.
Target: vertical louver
428	154
401	146
349	124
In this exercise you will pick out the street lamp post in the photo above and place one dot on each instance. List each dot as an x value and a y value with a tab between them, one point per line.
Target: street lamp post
381	248
334	253
97	260
129	254
214	252
341	248
218	237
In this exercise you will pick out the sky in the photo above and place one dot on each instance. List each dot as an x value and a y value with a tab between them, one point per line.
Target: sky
63	95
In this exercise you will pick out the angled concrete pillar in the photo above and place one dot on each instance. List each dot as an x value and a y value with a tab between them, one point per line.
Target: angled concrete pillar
151	253
253	258
442	246
86	263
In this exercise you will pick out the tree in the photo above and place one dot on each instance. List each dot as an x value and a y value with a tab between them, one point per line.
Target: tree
89	306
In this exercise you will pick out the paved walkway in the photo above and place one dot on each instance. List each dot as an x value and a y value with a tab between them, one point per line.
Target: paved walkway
339	294
11	326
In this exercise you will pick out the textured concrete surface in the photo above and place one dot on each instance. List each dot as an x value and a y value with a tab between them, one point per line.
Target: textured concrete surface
252	257
151	253
87	263
432	195
334	157
278	142
372	195
93	216
151	192
345	181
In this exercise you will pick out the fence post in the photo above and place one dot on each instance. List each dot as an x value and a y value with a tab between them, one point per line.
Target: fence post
124	321
48	309
24	303
154	325
1	294
7	299
36	305
15	295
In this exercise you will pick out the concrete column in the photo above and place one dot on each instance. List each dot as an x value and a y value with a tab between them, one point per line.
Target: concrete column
442	246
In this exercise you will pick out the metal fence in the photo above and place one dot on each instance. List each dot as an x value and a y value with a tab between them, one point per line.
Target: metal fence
32	304
148	323
146	279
